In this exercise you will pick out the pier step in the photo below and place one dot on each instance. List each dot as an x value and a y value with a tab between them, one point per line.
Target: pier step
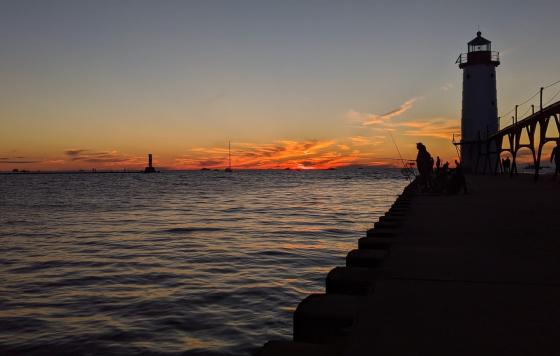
387	224
398	210
391	218
396	214
284	348
400	207
351	280
326	318
365	258
376	232
375	243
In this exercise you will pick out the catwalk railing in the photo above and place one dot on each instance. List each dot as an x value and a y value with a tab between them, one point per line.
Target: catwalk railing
531	132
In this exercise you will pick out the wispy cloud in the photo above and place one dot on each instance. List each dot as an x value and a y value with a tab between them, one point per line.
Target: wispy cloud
447	86
367	141
368	119
17	160
106	158
506	52
437	127
74	152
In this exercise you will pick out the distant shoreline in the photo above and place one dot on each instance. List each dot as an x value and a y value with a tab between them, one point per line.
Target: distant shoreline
522	171
183	170
70	172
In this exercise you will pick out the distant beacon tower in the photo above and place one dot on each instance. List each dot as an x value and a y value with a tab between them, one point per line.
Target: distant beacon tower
150	168
479	117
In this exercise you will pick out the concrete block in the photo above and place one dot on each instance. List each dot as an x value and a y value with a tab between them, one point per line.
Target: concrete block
391	218
396	214
375	243
326	318
400	205
285	348
399	210
403	199
377	232
365	258
351	280
387	224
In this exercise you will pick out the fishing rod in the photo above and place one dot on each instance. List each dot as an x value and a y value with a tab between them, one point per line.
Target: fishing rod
405	170
456	149
397	147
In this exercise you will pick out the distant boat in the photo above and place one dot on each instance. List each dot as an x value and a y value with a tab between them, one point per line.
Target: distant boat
228	169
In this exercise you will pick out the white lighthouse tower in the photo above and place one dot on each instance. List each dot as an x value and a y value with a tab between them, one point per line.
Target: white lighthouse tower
479	117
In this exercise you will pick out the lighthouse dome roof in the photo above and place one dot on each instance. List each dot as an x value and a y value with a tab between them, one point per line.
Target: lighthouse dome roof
479	40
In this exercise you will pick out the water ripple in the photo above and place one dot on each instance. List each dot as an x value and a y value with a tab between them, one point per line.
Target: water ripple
190	263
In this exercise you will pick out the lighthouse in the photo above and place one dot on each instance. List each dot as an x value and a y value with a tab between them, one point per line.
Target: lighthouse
479	116
150	168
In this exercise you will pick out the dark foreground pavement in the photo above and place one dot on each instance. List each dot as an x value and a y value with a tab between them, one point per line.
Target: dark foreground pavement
471	274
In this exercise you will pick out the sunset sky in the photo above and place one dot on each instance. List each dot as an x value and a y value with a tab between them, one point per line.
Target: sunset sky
300	84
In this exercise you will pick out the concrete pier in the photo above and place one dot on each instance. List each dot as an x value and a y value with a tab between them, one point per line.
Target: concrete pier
471	274
466	274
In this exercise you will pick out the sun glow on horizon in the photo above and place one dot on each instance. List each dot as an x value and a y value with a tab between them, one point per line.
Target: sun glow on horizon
375	136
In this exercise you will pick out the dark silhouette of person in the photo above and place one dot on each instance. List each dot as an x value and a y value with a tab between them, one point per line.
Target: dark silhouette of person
439	181
555	155
507	165
424	163
458	180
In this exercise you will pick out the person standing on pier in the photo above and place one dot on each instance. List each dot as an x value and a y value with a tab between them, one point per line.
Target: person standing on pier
425	163
556	157
506	163
459	177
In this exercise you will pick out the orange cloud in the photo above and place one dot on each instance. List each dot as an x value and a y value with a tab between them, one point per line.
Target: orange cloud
103	158
366	141
18	160
309	154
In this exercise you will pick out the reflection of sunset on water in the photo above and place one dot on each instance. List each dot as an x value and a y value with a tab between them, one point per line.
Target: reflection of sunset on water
177	261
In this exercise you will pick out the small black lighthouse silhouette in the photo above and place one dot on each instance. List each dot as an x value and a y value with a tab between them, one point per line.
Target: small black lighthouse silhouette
150	168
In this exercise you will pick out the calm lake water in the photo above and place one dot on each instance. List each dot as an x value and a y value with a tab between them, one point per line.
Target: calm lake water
195	263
